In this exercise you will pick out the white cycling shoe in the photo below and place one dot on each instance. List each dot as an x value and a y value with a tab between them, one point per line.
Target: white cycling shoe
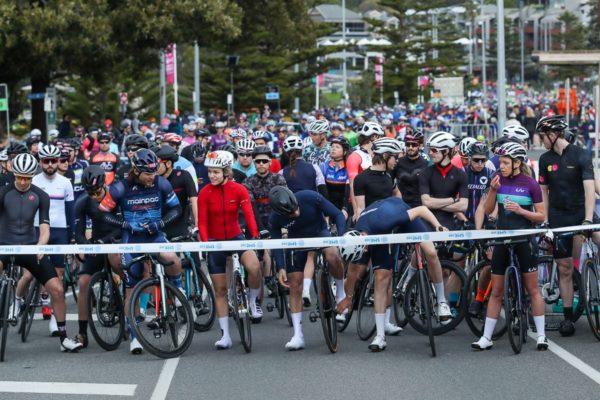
70	345
224	343
392	329
135	346
295	343
482	344
378	344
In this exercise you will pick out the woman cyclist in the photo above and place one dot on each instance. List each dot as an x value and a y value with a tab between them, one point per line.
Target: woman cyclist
335	173
519	200
218	219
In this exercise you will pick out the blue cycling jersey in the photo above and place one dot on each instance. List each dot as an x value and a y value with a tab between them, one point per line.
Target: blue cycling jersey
77	167
202	174
387	216
305	178
477	182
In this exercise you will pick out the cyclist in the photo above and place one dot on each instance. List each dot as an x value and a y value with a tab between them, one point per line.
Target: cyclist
261	138
391	215
409	167
520	205
515	133
237	175
76	165
108	160
335	173
133	143
236	135
461	160
318	150
218	219
303	215
478	179
218	139
244	163
63	166
567	181
148	204
13	149
198	152
174	140
86	207
17	227
299	174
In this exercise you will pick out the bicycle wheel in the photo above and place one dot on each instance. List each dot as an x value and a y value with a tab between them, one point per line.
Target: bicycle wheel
341	326
105	311
427	307
512	310
577	311
70	277
31	303
202	298
476	322
5	296
398	295
284	303
590	295
365	324
326	304
241	311
166	333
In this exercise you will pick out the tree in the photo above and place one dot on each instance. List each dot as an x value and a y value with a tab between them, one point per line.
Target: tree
571	37
593	35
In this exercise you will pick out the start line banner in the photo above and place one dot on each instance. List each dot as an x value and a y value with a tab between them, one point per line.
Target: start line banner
302	243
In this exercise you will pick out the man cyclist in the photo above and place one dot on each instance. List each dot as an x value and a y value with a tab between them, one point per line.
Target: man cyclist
244	163
409	167
108	160
318	151
132	143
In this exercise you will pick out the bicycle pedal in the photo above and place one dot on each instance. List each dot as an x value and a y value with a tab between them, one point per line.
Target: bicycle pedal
270	307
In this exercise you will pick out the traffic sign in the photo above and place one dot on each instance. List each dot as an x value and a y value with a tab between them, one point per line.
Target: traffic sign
272	96
3	104
36	96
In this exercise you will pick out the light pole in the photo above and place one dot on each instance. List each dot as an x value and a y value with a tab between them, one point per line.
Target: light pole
501	82
232	61
344	77
196	78
522	41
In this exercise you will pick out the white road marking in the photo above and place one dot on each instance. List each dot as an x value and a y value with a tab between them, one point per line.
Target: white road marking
575	362
98	389
70	317
164	380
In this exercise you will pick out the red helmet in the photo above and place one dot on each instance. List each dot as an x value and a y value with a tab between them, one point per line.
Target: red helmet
172	138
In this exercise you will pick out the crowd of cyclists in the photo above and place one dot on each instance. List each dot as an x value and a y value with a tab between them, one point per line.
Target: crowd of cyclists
317	178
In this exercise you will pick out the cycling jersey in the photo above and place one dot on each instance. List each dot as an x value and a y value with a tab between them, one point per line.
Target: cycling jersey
315	154
201	174
357	162
123	171
184	164
62	207
249	171
336	179
310	223
407	173
374	185
351	137
443	182
87	208
7	179
19	211
218	208
259	187
109	163
77	167
185	188
477	182
217	141
387	216
520	189
308	176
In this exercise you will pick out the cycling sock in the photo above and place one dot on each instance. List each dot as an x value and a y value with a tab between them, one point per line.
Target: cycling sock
453	299
144	299
439	292
83	327
388	315
224	324
488	329
253	295
480	295
62	329
380	324
176	280
568	313
539	321
340	293
306	286
297	324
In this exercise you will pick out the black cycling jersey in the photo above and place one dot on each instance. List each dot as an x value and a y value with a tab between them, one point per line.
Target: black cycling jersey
86	207
564	176
259	187
238	176
184	187
442	183
17	214
122	172
374	185
70	175
407	173
478	183
305	177
7	179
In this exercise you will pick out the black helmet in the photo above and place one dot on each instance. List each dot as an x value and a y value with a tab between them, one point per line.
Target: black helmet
93	178
266	150
104	136
198	151
282	200
202	132
75	143
230	148
341	141
478	149
15	148
145	160
136	140
167	153
556	123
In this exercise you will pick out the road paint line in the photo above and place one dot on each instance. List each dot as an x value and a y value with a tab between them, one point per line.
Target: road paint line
70	317
575	362
164	380
98	389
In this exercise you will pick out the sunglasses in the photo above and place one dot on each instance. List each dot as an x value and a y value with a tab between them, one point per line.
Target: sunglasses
48	161
261	161
95	194
478	160
245	154
412	144
63	160
132	148
104	142
23	178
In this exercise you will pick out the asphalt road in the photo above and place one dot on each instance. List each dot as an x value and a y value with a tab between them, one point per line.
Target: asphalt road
405	369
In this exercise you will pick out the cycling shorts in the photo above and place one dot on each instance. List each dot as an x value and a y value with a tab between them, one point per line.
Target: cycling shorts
135	272
57	236
563	246
381	256
526	257
92	264
42	270
296	259
217	259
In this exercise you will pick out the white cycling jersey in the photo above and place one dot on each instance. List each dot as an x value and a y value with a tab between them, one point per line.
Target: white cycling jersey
60	190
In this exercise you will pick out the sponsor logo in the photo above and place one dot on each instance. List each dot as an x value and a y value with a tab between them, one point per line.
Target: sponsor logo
137	247
415	238
520	190
31	197
483	180
144	200
331	241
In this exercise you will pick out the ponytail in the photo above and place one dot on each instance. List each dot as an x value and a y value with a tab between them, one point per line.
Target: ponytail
294	156
525	169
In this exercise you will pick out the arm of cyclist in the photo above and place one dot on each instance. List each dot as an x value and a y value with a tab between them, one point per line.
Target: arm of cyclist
276	234
70	215
320	182
447	204
202	216
331	211
80	222
360	206
424	213
590	199
248	211
545	200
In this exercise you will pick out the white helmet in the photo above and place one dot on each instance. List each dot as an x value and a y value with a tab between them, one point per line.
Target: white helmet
260	135
442	140
218	159
386	145
371	128
52	133
463	146
516	132
292	143
35	133
319	126
512	150
49	151
219	124
245	146
24	164
352	253
307	141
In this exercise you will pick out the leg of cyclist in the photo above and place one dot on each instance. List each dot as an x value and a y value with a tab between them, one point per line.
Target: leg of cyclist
295	276
133	274
434	270
216	268
336	267
309	272
251	264
381	261
356	272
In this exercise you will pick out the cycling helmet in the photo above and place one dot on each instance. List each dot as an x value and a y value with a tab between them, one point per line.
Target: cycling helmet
16	148
282	200
145	160
416	136
386	145
341	141
75	143
463	146
478	149
167	153
512	150
516	132
307	141
202	132
245	146
266	150
49	151
4	155
198	151
229	148
319	126
136	140
441	140
219	124
554	123
172	138
218	159
52	133
238	133
386	122
292	143
93	178
35	133
260	135
64	153
371	128
24	164
105	136
352	253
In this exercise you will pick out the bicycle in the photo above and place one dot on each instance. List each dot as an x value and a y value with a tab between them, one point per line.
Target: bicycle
590	285
8	285
172	322
31	302
325	301
70	275
280	294
238	303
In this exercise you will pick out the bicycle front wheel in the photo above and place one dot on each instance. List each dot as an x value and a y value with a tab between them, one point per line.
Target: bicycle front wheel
326	304
399	280
241	311
590	295
365	324
5	296
513	310
105	311
427	307
166	333
31	302
203	301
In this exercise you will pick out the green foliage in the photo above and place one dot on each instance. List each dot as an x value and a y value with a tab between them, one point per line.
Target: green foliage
593	34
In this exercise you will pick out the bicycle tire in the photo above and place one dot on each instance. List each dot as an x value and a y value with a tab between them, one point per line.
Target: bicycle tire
427	304
512	310
476	323
326	304
365	323
4	305
577	311
243	320
177	346
343	325
284	300
398	295
590	295
31	302
199	304
105	303
70	279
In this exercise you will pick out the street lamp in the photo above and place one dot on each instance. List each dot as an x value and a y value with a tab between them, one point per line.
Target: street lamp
232	62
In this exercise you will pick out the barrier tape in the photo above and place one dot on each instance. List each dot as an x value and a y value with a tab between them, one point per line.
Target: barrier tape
280	243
